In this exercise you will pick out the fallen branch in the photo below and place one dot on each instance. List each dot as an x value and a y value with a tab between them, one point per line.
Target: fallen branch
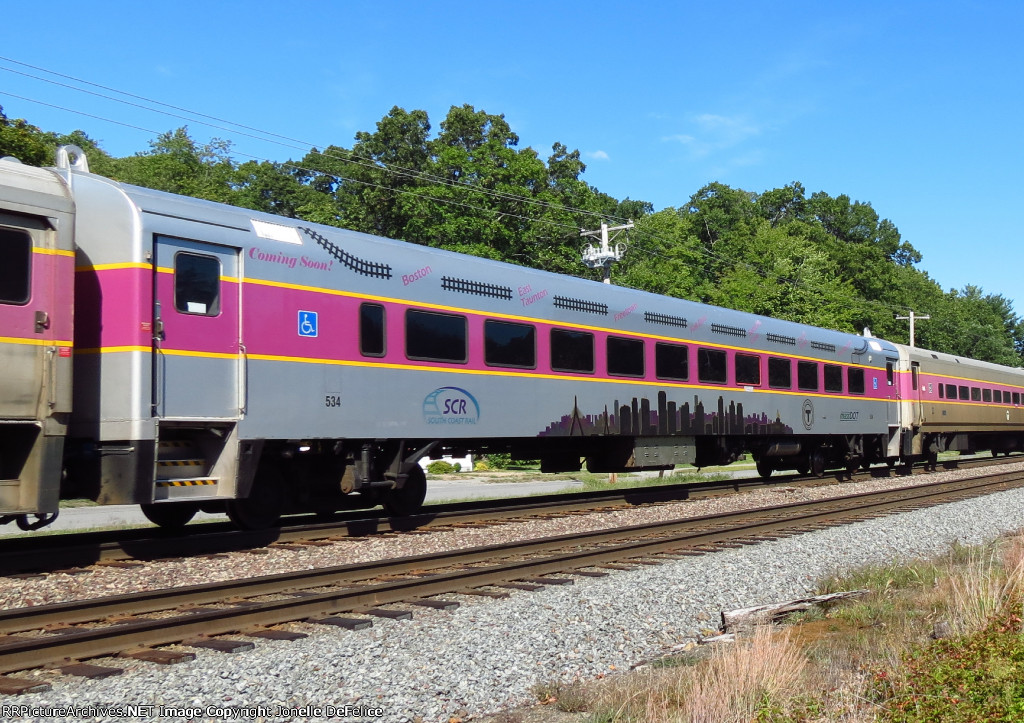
746	618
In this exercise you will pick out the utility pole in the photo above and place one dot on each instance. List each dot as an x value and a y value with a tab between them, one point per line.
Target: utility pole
604	255
912	317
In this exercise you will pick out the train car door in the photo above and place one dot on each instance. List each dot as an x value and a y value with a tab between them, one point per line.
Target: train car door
892	390
35	319
916	414
196	331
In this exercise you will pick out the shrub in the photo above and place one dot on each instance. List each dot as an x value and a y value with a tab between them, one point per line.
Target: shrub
439	466
498	461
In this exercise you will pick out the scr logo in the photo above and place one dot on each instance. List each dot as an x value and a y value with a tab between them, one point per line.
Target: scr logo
450	405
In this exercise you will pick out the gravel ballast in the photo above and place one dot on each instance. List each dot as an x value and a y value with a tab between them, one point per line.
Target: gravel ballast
486	655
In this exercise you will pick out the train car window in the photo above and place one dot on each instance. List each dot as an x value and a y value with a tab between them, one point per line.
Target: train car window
941	388
915	375
833	378
196	284
975	394
748	369
986	395
951	391
711	366
889	373
780	373
1016	398
15	266
625	357
964	393
855	380
997	396
572	351
430	336
671	361
510	345
371	330
807	376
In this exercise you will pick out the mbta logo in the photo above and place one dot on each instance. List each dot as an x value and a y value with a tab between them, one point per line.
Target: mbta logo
450	405
807	414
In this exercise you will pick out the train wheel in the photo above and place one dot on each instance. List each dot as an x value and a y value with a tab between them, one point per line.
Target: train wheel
262	508
764	468
817	461
170	515
409	499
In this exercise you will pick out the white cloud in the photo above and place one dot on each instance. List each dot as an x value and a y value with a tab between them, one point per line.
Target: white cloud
712	135
597	155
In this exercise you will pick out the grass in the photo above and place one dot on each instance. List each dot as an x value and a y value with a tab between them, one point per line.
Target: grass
591	482
934	640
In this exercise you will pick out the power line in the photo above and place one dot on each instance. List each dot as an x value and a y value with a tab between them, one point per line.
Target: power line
350	157
268	137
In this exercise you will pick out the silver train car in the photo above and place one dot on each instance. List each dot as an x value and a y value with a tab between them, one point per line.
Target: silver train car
182	355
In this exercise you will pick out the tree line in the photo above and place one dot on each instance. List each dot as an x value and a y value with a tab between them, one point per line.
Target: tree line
817	259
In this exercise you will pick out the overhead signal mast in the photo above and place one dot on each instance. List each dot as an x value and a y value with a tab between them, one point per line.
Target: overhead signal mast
605	255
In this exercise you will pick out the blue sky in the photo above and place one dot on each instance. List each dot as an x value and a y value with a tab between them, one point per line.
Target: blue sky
915	107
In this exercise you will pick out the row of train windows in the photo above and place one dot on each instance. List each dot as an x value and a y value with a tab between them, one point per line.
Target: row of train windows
978	394
433	336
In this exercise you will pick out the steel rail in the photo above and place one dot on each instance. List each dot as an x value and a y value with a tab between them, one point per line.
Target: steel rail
53	552
449	575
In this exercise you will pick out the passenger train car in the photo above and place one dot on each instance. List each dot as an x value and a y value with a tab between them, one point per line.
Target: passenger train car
181	354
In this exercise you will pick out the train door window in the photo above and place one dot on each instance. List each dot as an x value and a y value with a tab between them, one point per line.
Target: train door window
986	395
807	376
15	266
915	375
711	366
833	378
430	336
625	357
748	370
975	394
371	330
941	388
964	393
196	284
572	351
780	373
889	373
671	361
1016	398
510	345
855	380
997	396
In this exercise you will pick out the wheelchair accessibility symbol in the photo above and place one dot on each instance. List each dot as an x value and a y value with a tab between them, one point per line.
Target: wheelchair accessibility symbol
308	325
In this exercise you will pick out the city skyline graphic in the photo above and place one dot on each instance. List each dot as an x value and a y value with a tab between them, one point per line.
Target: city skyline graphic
666	418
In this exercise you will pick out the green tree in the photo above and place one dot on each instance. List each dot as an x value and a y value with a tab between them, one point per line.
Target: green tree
24	141
177	164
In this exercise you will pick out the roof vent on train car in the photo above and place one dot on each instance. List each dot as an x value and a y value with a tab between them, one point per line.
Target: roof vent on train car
822	346
72	158
780	339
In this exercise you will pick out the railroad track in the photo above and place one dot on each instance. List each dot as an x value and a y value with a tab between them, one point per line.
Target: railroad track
46	553
351	595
